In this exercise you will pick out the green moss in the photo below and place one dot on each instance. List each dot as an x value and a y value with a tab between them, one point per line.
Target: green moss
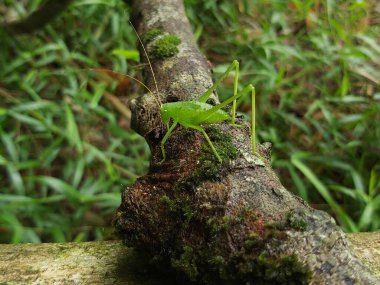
179	208
205	262
252	240
169	203
223	144
216	225
151	35
249	266
247	269
186	264
293	220
209	167
296	221
252	265
218	260
166	46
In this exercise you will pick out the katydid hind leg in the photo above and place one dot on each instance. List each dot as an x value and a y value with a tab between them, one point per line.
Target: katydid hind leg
244	92
253	120
253	115
207	94
233	115
209	112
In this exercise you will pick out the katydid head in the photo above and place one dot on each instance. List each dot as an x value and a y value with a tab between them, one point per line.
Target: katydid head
146	109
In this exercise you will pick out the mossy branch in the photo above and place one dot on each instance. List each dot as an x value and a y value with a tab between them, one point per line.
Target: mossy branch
111	262
230	224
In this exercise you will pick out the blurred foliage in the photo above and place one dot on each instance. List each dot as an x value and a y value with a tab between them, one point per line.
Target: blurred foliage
66	148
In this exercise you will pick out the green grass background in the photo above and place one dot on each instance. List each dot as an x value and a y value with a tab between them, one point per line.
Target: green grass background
66	147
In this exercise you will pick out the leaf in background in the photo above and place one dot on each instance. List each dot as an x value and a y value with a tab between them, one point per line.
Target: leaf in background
3	111
72	133
60	187
15	179
302	191
3	161
366	216
32	106
323	191
132	54
373	183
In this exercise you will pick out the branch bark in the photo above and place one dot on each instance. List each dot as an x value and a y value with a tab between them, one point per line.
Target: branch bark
38	19
111	262
219	223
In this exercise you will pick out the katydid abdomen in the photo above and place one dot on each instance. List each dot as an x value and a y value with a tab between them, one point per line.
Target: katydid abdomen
191	112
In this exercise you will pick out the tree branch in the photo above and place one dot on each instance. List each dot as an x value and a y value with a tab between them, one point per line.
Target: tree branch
184	76
111	262
39	18
211	222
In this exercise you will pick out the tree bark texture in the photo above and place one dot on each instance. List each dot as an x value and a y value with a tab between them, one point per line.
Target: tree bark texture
111	262
218	223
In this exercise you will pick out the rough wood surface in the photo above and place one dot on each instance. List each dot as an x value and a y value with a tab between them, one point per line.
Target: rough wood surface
111	262
367	247
211	222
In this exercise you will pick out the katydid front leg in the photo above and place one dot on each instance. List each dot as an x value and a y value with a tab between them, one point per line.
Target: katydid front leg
165	138
200	129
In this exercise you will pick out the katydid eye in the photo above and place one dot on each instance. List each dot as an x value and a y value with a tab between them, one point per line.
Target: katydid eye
211	101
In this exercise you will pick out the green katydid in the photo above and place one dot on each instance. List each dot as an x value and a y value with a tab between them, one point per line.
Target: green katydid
192	114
